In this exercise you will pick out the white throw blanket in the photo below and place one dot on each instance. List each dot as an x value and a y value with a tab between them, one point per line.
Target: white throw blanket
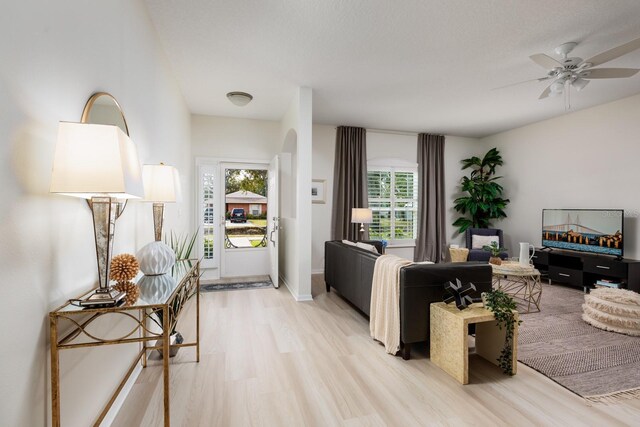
384	320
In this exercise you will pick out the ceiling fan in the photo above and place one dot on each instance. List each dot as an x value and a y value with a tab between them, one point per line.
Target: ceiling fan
576	72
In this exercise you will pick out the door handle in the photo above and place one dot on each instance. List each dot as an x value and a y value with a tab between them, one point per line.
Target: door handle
271	237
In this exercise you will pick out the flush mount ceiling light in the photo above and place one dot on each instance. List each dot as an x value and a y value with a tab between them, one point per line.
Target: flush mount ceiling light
239	98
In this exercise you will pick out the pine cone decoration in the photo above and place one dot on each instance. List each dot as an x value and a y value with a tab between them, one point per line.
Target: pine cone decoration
124	267
132	291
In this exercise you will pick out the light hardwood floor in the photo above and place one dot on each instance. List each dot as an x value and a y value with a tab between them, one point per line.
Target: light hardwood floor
270	361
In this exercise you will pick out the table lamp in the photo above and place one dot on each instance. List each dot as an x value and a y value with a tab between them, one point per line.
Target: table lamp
98	163
161	185
362	216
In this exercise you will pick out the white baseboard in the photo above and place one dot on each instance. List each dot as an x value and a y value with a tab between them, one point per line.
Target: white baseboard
318	271
302	298
117	404
299	298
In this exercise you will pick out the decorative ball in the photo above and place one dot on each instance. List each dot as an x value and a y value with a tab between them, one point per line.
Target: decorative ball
132	291
156	289
156	258
124	267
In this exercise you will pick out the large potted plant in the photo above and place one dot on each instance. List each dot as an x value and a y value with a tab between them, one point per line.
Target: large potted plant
483	202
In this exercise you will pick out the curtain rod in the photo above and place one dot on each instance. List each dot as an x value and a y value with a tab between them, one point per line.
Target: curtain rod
393	132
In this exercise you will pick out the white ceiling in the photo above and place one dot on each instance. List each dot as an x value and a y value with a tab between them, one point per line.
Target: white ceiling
413	65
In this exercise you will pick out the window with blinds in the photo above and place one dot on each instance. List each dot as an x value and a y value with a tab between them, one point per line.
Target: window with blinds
207	217
393	199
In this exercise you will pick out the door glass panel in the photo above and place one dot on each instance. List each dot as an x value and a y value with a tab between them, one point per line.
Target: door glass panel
246	208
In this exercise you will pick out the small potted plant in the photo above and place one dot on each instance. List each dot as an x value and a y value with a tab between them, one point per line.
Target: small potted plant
495	251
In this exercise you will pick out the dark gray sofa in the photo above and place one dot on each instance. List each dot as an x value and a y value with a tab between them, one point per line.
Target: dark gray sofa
349	270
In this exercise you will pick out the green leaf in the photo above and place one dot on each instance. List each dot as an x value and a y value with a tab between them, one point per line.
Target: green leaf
484	200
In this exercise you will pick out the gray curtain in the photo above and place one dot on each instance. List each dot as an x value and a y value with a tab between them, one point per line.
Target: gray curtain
349	182
431	242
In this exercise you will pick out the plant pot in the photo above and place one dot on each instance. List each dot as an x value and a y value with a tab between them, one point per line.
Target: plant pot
495	260
175	338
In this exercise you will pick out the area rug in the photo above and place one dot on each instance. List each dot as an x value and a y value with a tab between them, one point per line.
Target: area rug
597	365
217	287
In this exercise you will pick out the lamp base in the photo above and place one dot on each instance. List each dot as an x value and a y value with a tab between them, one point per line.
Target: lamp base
103	298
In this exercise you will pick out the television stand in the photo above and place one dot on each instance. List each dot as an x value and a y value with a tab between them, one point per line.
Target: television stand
583	270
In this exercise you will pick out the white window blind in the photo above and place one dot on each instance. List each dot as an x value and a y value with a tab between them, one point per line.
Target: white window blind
207	217
393	198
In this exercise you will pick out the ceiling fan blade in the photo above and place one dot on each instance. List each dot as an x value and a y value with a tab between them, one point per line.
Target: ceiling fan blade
519	83
609	73
545	93
614	53
545	61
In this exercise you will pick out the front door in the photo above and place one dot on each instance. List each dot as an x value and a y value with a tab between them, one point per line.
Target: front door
273	219
243	221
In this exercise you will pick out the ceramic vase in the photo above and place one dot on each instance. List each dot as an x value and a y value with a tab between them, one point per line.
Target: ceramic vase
156	258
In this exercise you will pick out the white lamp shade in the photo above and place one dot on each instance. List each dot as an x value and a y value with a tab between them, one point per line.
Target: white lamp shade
95	160
580	84
361	215
557	86
161	183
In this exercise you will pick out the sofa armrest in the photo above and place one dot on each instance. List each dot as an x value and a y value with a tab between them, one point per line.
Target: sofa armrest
376	243
349	270
421	285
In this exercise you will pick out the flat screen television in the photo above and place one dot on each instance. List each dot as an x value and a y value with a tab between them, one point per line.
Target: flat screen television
598	231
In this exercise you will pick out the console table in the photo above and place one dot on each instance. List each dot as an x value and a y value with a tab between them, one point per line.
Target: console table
582	269
167	301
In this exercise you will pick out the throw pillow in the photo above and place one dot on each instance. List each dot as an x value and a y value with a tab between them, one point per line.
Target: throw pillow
477	242
349	242
367	247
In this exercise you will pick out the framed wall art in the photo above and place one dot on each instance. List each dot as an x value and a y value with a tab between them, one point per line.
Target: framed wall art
318	190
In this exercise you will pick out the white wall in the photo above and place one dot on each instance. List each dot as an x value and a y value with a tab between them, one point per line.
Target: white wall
230	138
586	159
381	146
54	56
296	233
324	142
456	148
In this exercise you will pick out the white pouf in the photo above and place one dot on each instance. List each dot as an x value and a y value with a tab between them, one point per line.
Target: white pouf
156	258
615	310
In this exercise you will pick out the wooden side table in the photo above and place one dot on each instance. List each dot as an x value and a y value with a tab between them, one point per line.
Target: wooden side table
459	254
449	330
